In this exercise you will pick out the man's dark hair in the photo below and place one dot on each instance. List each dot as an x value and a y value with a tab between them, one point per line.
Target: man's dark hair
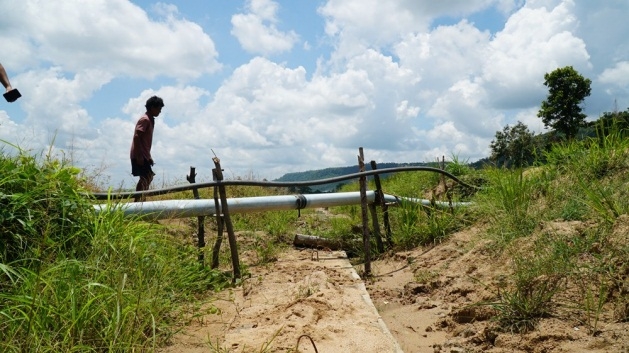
154	101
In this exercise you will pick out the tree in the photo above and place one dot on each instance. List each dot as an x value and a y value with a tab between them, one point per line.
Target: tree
561	110
513	146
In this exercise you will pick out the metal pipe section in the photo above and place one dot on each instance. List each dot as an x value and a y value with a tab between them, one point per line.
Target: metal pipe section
202	207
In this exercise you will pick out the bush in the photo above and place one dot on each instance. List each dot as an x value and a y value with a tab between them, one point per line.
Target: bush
42	210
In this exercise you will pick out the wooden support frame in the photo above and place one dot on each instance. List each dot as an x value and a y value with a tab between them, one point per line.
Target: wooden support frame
385	208
200	220
220	224
365	218
233	247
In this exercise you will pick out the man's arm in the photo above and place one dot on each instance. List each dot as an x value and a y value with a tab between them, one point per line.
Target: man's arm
4	79
137	151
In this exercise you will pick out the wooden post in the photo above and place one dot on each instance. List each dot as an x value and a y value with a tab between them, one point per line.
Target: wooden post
445	185
443	167
374	223
363	206
200	220
219	223
385	207
376	227
228	222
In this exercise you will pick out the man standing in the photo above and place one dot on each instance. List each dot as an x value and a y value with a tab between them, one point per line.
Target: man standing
141	160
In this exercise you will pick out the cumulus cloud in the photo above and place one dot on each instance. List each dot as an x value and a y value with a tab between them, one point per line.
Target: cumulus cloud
534	41
257	32
357	24
460	7
617	75
54	101
115	36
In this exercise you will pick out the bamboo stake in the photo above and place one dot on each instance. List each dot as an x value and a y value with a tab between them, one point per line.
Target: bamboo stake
363	204
233	247
385	208
220	223
201	219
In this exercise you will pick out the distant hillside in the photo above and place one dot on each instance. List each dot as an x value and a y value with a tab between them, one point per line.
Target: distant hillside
335	172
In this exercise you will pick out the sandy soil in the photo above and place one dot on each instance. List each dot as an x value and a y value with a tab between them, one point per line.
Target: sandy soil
428	304
425	297
305	295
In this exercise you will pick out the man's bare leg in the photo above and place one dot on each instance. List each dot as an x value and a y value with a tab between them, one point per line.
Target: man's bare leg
143	185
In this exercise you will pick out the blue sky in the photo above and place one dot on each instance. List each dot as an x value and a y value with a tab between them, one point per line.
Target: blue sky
274	87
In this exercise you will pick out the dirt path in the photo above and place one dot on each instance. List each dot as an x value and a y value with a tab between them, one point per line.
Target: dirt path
317	294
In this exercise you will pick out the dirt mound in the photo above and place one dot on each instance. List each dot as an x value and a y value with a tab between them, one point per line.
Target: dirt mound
430	299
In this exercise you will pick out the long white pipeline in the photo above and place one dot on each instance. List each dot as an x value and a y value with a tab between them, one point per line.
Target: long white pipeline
205	207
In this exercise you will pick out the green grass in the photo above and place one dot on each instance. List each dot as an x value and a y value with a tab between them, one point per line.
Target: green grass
508	203
72	280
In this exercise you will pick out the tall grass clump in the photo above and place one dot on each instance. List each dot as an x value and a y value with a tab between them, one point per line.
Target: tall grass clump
529	297
74	280
543	266
591	158
587	175
419	225
42	214
507	202
458	167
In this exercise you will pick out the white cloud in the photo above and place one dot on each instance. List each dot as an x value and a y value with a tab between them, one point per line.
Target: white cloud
529	118
459	7
618	75
405	112
358	24
53	103
180	103
115	36
444	55
534	41
8	128
257	32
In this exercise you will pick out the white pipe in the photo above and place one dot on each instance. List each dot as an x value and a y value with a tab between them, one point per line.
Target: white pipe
205	207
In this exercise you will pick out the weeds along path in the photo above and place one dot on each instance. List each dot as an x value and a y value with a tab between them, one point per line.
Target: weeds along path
313	293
